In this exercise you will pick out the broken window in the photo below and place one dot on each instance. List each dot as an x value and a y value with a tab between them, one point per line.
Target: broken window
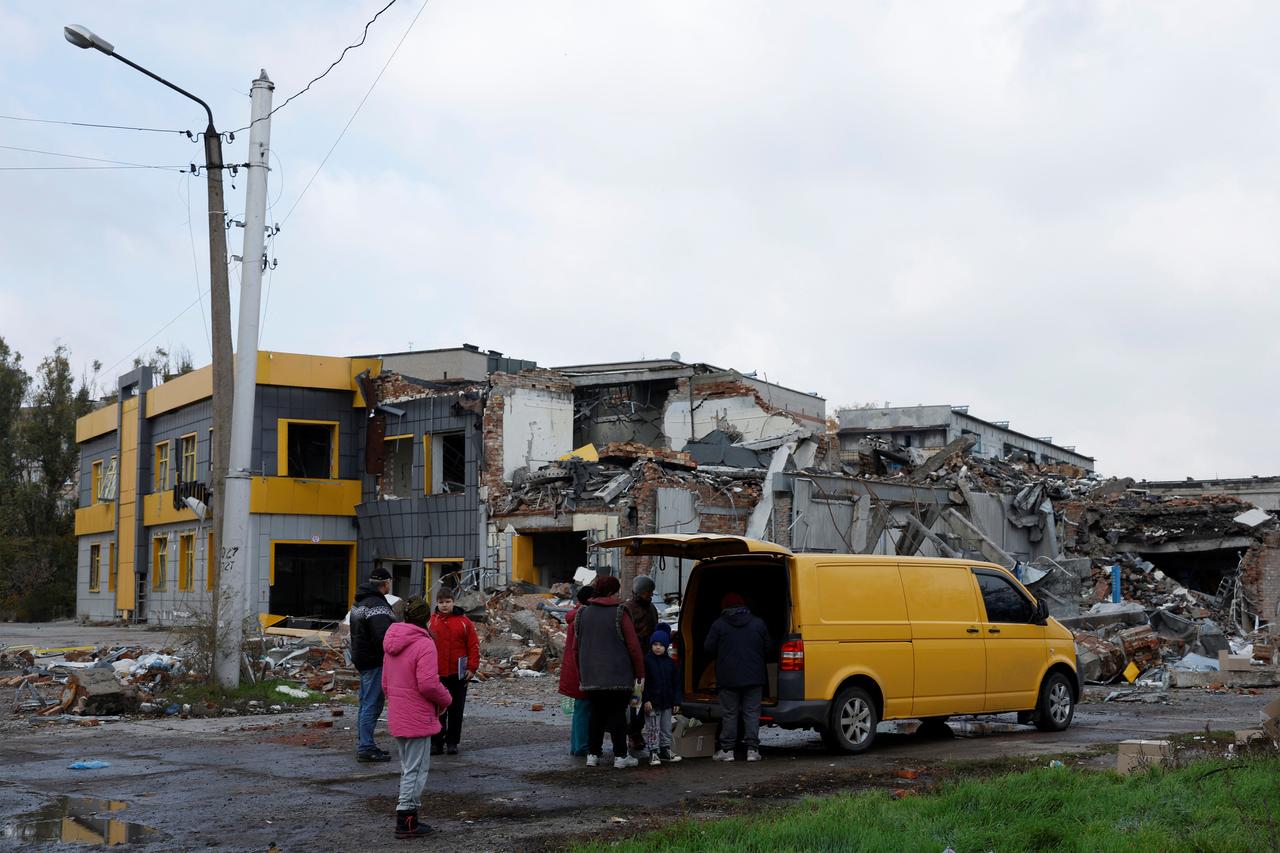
1004	602
310	449
160	476
446	469
396	479
187	450
160	563
311	580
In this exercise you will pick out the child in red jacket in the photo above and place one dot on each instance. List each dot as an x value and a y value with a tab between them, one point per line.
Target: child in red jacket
459	653
415	700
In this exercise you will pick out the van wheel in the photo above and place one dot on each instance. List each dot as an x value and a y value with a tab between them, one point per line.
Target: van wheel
1057	704
851	724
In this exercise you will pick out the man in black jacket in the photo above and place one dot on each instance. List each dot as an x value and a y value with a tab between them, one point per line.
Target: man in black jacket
370	618
740	642
644	615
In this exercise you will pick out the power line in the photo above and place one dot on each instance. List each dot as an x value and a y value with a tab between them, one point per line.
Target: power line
83	168
373	85
363	36
81	157
143	345
186	133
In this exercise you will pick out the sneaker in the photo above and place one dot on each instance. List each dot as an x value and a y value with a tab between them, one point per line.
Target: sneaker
722	755
753	755
408	825
451	749
437	750
623	761
654	761
668	755
374	754
593	760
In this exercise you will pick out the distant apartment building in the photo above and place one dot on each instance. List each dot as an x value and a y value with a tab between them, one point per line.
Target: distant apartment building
931	427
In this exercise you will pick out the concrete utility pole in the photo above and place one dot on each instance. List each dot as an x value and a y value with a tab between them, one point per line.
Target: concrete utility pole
237	556
219	287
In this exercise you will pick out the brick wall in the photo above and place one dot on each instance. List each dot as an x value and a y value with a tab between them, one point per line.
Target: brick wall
1260	576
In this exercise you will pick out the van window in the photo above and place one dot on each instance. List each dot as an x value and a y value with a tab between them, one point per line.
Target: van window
939	593
1004	602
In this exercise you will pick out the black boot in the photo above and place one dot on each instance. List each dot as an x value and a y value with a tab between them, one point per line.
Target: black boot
408	826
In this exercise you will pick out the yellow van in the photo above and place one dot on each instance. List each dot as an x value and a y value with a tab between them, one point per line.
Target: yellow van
863	638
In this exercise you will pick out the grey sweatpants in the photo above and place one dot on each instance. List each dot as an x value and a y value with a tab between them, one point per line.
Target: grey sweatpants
657	729
744	701
415	763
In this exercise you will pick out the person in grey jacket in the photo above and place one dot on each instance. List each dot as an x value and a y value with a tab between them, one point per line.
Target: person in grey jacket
740	642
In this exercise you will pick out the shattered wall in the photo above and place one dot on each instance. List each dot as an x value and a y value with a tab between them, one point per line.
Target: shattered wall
728	402
528	421
1260	576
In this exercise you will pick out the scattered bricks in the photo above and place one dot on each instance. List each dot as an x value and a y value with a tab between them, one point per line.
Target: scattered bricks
536	706
1141	645
336	712
1264	652
318	724
906	774
902	793
1110	658
534	659
319	682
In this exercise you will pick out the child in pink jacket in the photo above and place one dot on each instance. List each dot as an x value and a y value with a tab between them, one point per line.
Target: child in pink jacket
415	700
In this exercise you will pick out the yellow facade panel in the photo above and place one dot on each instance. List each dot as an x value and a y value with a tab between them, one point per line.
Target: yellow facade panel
126	579
157	508
98	518
288	496
96	423
180	391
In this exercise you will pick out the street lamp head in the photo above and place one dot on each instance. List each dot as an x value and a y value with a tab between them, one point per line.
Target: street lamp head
83	37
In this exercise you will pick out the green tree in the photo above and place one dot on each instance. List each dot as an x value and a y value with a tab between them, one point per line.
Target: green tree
38	495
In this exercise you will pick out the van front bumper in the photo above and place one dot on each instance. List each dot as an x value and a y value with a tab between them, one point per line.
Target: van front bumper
787	713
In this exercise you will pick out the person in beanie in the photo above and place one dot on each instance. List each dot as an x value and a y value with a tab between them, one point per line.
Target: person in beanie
663	694
411	679
645	617
458	648
370	618
740	643
610	664
570	685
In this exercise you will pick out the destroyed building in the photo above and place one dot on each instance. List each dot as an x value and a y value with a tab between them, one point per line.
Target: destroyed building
932	427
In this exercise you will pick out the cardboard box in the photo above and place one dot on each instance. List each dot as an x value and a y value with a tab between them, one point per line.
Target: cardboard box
1140	755
1233	663
690	740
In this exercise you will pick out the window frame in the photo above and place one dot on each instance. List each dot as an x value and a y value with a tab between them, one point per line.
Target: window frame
186	562
95	480
387	442
95	567
183	456
282	446
988	573
162	461
160	563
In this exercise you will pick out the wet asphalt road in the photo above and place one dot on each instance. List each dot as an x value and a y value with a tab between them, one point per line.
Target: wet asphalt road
249	782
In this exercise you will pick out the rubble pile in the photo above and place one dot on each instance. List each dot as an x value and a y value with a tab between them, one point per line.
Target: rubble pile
522	634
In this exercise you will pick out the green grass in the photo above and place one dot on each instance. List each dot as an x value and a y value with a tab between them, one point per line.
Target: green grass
265	692
1042	809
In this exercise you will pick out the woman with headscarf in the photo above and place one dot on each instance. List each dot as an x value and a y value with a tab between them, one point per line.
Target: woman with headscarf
610	664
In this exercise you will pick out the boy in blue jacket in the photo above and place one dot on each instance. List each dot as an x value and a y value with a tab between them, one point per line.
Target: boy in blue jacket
662	696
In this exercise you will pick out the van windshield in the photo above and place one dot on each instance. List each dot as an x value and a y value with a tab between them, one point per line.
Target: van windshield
765	587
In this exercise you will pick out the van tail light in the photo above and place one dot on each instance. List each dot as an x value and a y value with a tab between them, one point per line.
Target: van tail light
792	659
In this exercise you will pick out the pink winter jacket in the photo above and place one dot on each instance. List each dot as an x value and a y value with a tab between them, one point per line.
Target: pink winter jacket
411	680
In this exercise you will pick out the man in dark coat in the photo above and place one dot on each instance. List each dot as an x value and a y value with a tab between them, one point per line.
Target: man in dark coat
645	618
741	644
370	618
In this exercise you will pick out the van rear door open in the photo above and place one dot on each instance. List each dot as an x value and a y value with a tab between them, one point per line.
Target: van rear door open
950	657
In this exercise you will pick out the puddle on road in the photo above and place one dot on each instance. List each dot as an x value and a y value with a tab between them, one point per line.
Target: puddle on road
77	820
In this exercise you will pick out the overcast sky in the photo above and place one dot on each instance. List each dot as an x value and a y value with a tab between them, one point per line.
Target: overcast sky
1063	214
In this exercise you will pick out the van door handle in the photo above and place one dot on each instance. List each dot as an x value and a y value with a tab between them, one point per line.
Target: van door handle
971	630
993	630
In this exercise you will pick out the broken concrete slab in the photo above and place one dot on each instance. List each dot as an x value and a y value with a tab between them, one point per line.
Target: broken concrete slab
1255	677
527	625
1102	615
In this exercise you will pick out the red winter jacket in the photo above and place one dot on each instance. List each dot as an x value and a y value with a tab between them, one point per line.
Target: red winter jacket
455	637
569	685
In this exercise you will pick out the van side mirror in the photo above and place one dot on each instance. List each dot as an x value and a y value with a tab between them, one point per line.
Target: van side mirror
1042	612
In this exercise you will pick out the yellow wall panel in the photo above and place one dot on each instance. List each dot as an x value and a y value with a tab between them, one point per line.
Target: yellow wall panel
99	518
126	581
288	496
157	508
96	423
